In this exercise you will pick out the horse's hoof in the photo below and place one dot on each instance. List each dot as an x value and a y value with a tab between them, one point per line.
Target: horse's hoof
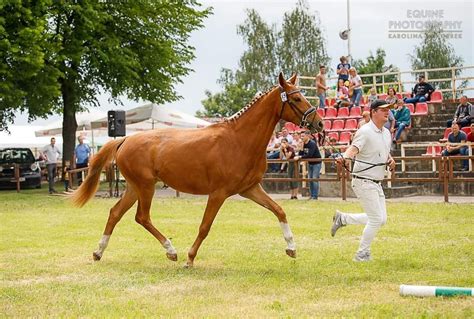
96	256
172	257
188	265
291	253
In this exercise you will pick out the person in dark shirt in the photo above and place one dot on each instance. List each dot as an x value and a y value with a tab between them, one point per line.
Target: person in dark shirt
288	152
464	113
457	136
311	151
342	69
421	92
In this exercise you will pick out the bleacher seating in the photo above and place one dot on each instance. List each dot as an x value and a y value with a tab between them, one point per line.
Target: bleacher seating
343	112
351	125
411	107
466	129
407	94
332	102
421	109
433	150
334	135
331	113
337	125
436	97
355	112
291	127
399	96
327	125
321	112
382	96
345	137
447	131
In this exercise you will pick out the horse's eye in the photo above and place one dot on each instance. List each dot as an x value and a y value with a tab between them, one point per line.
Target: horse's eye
297	99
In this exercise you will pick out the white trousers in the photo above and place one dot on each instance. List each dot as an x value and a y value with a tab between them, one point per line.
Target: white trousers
375	213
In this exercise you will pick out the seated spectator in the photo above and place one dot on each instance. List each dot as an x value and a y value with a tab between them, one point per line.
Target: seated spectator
457	136
342	95
372	96
285	134
288	152
390	124
464	113
356	86
296	139
273	152
402	119
343	69
365	119
392	96
421	92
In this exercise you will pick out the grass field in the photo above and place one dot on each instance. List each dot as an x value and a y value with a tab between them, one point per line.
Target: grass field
46	267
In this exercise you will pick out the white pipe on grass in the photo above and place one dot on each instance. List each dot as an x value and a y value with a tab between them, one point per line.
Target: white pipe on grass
433	291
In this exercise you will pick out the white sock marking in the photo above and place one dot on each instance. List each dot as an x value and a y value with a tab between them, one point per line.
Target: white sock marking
288	235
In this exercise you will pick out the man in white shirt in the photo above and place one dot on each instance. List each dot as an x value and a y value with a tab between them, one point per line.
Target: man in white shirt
51	153
370	150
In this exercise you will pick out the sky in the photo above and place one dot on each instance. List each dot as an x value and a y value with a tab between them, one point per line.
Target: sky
372	22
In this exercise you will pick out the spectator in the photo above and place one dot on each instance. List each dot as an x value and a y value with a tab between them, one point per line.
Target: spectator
365	119
464	113
342	95
356	86
343	69
287	152
402	119
273	152
470	136
321	87
372	96
296	139
421	92
81	157
311	151
284	134
392	96
457	136
51	153
390	124
67	168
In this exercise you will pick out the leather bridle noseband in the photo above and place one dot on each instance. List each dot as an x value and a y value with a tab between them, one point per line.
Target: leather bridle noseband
304	123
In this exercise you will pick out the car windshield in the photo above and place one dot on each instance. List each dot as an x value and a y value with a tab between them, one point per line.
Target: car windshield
20	156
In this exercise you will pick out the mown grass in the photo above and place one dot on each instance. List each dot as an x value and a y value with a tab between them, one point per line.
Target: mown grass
241	270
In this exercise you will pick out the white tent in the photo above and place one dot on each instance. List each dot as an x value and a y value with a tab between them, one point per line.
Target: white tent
152	116
24	136
83	120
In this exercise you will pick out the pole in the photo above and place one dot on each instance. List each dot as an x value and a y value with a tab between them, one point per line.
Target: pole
349	33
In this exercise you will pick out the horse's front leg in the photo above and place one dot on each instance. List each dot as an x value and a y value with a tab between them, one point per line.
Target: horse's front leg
258	195
214	203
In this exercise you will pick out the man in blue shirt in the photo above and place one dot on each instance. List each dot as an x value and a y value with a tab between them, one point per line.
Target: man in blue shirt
81	157
457	136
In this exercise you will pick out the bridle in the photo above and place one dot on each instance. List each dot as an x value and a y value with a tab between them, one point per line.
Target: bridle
304	123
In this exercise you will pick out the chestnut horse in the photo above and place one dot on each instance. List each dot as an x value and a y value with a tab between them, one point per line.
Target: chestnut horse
220	160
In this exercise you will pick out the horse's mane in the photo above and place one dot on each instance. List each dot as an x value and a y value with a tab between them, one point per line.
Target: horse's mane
256	98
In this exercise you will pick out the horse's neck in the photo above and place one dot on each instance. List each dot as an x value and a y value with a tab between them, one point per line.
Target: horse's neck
255	126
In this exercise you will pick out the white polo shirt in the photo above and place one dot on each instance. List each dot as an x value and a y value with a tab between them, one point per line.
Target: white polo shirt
374	147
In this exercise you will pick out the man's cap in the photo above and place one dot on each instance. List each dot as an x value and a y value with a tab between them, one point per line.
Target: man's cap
381	104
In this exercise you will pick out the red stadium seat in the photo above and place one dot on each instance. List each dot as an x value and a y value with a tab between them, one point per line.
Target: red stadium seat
366	108
407	94
436	97
411	107
421	109
343	112
433	150
399	96
355	112
327	125
466	130
331	113
447	131
351	125
332	101
320	112
334	135
337	125
382	96
291	127
345	137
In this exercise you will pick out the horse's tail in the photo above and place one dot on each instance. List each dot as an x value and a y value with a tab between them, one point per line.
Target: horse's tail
89	186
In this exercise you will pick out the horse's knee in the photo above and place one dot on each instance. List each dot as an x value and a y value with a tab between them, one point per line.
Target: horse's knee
203	231
141	220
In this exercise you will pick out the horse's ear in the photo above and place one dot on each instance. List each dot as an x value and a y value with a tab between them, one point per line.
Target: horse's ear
281	80
292	80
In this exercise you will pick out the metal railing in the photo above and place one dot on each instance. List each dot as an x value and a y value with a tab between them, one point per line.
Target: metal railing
404	80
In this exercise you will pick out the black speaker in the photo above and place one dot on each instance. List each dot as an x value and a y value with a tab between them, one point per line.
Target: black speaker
116	123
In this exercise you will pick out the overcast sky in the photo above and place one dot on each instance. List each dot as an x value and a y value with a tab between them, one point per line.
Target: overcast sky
372	22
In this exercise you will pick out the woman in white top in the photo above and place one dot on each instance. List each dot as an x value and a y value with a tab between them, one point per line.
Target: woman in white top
355	86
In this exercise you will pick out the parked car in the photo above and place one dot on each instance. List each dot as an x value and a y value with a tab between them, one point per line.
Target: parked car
30	172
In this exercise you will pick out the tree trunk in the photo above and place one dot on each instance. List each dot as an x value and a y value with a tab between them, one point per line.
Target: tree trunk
69	119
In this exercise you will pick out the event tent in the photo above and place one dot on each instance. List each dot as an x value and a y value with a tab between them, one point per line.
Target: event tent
83	124
151	116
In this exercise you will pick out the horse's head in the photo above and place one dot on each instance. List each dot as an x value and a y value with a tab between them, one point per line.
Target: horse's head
295	107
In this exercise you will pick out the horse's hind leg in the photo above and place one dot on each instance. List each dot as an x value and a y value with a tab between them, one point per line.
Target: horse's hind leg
120	208
258	195
143	218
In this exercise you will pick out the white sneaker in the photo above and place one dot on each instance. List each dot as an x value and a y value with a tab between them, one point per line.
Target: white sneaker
336	222
362	256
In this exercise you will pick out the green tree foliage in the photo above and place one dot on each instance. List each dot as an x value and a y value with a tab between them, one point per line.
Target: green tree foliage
433	52
298	47
376	64
58	55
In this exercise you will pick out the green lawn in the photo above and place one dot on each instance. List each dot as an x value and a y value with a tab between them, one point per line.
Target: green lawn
46	267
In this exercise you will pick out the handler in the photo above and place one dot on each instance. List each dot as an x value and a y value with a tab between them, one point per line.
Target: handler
370	151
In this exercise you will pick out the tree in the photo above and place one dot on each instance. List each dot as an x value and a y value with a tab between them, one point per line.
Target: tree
376	64
58	55
298	47
433	52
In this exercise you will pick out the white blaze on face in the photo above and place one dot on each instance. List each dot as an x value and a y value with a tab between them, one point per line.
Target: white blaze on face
288	235
169	247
